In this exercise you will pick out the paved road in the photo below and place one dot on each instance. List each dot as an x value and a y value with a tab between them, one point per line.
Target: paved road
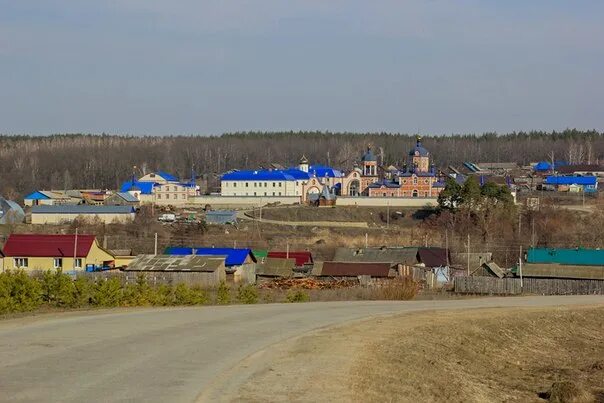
174	354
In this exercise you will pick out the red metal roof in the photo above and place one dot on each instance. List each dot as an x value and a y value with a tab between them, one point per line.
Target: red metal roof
353	269
302	258
26	245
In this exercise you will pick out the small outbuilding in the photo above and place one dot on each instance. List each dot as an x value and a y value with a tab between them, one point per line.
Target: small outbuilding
221	217
273	267
204	271
10	212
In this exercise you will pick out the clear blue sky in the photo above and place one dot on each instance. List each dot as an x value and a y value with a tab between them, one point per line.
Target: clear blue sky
210	66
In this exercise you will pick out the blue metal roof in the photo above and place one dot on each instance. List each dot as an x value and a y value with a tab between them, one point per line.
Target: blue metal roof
297	173
579	257
571	180
321	171
234	257
37	195
259	175
146	188
167	176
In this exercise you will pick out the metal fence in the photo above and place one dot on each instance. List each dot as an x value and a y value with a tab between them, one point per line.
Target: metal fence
539	286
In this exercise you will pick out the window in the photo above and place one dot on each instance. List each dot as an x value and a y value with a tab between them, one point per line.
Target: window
176	188
234	184
254	184
425	194
183	196
57	262
20	262
247	184
265	184
415	180
404	180
426	181
279	193
159	196
273	184
279	184
384	194
254	193
273	193
78	263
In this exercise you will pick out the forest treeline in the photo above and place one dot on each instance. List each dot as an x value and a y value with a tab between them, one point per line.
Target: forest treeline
103	161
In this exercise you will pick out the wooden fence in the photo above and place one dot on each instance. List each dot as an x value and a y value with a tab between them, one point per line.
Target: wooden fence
538	286
198	279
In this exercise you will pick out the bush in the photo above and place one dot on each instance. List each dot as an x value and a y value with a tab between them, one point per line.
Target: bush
19	292
138	294
399	290
223	295
108	293
297	296
82	292
185	295
58	289
247	294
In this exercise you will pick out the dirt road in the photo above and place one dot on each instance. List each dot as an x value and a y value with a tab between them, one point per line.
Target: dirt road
329	224
181	354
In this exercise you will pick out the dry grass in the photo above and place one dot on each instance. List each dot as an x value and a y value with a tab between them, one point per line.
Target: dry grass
522	357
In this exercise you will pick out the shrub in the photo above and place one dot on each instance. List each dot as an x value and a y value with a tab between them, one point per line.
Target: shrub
138	294
108	293
247	294
18	292
223	295
82	292
297	296
58	289
399	290
185	295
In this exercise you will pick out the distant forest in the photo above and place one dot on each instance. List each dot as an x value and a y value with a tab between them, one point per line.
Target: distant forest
29	163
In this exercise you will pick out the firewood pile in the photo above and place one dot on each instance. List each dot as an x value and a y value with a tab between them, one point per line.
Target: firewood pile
308	284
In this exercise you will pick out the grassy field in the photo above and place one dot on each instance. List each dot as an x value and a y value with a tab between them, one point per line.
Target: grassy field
370	215
489	355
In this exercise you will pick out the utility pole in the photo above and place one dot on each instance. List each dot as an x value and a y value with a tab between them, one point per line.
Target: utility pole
366	240
468	253
155	245
520	268
388	215
519	223
533	232
75	249
287	250
426	240
447	246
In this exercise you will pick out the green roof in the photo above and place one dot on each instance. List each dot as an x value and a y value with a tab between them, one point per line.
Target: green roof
260	253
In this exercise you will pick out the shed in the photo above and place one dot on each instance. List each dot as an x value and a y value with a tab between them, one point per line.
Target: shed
355	269
221	217
433	257
122	199
276	268
203	271
301	258
405	256
578	256
234	257
489	269
545	270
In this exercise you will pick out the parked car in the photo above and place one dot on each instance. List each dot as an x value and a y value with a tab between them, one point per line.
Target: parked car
168	217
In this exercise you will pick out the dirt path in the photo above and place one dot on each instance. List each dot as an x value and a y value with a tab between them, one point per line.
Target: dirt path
483	355
243	214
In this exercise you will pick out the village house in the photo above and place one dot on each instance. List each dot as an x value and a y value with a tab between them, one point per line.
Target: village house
573	184
61	214
44	252
160	188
